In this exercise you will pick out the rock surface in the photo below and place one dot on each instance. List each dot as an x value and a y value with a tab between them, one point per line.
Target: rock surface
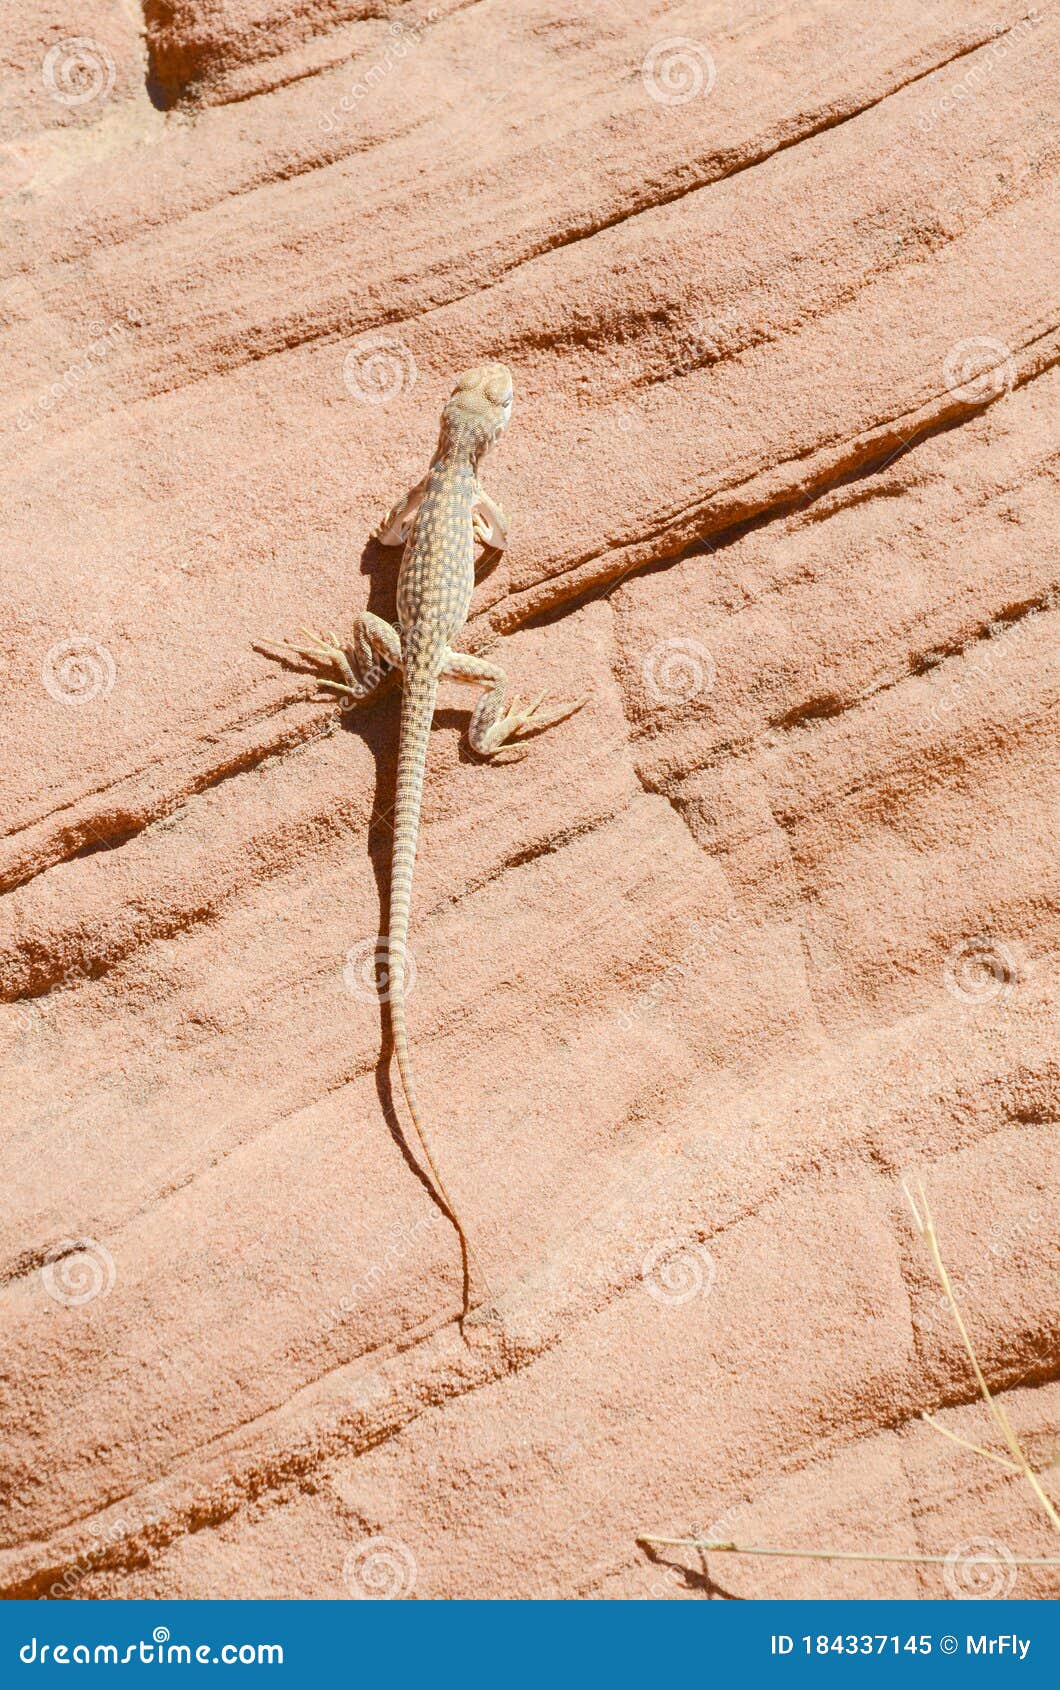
770	926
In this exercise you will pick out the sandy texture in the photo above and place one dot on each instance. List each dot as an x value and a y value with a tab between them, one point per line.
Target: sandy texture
770	925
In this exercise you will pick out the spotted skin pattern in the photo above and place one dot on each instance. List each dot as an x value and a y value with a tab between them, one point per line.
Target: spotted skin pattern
438	522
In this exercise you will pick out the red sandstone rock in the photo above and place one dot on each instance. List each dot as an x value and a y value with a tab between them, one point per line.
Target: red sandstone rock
765	928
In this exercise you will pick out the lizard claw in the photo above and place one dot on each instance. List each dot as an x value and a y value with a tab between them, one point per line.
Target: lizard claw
515	721
569	708
323	650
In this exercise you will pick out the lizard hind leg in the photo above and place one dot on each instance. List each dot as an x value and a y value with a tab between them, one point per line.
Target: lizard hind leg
495	724
370	657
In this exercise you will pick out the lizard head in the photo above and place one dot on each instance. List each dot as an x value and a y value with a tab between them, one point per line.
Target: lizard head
477	411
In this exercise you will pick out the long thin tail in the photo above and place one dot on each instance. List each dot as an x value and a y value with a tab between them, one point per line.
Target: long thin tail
417	713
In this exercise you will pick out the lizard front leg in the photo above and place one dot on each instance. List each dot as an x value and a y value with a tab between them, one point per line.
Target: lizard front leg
488	521
494	724
371	656
396	525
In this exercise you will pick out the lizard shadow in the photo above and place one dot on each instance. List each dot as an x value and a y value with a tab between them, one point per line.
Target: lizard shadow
699	1579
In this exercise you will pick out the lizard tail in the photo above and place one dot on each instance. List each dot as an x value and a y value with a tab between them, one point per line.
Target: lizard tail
417	714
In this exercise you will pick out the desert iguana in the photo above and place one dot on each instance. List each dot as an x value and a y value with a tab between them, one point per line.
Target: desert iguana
438	522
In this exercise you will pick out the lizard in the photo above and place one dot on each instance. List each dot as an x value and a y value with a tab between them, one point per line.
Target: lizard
437	523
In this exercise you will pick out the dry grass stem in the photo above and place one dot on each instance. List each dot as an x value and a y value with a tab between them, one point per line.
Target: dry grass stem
1018	1465
966	1443
846	1554
926	1226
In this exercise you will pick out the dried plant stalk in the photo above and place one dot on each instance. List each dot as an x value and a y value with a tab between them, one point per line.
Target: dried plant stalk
847	1554
926	1226
1019	1463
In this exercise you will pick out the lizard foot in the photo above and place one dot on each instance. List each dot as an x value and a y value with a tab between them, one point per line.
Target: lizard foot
356	670
512	727
324	650
489	524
